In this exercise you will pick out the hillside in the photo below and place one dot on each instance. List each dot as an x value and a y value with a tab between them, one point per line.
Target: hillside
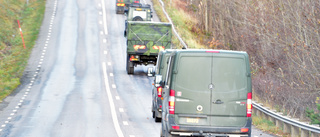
281	37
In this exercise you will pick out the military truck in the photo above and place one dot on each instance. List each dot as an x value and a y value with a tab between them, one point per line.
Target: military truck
139	12
144	41
206	93
123	5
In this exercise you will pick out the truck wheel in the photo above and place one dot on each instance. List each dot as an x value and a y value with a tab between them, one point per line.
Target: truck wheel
137	18
130	67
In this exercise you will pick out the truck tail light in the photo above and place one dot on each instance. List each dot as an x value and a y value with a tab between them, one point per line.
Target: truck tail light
171	102
159	89
120	4
249	104
136	1
136	47
158	47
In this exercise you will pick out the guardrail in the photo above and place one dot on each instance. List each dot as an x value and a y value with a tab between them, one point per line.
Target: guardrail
294	127
173	28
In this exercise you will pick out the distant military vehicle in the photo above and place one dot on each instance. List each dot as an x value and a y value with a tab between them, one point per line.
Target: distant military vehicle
123	5
139	12
144	41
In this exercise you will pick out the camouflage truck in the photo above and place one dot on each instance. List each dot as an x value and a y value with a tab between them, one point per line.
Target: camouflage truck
123	5
144	41
139	12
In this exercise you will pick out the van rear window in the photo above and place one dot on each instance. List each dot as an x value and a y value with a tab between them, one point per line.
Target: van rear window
229	74
194	73
198	73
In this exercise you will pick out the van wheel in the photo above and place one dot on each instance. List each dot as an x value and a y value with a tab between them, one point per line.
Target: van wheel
156	119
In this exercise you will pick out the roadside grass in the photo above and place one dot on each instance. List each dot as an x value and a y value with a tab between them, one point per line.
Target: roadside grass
13	57
267	126
183	23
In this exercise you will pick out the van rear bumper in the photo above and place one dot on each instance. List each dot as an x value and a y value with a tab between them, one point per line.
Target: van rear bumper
187	130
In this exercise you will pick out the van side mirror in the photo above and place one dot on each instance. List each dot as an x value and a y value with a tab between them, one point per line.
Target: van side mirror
157	80
151	72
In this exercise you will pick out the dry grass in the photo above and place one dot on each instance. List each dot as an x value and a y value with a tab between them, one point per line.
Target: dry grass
184	23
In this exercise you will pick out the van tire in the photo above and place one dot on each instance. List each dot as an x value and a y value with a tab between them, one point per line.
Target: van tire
156	119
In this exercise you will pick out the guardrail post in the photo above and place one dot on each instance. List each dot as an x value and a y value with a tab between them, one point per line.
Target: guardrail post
255	111
279	123
286	127
294	131
304	133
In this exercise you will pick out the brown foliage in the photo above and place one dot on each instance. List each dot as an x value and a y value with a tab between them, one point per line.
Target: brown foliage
282	39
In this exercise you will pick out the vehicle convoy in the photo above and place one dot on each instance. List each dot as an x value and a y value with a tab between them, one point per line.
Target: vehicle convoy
122	5
206	93
139	12
144	41
161	69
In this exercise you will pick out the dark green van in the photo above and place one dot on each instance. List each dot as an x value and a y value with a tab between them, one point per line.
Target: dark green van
161	70
207	93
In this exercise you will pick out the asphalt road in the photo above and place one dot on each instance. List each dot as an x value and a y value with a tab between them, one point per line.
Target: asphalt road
76	83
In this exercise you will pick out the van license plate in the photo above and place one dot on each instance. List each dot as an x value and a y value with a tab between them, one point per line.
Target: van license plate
192	120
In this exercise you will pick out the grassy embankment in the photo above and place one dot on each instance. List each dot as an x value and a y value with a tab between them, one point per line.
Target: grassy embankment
184	23
13	56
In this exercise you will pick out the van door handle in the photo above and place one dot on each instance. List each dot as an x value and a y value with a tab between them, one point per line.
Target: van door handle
218	101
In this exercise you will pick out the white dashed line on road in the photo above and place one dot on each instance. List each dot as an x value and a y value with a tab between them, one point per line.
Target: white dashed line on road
111	74
105	52
125	123
104	40
109	63
121	110
117	98
114	86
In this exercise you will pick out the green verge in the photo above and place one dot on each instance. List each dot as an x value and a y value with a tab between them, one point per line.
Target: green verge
267	126
13	56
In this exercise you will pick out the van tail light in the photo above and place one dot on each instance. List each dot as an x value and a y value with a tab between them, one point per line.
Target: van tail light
175	127
171	102
249	104
244	130
159	89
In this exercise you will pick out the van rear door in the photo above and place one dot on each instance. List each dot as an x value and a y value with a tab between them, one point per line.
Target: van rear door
191	79
229	90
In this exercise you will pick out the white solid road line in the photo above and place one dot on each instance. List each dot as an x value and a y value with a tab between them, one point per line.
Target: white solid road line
112	107
104	18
